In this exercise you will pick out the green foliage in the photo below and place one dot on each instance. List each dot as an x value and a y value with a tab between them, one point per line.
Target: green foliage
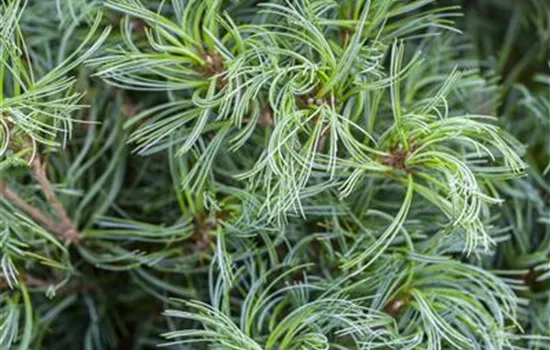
278	174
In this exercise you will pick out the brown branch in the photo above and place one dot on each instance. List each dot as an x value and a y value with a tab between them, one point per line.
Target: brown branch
69	230
33	282
28	209
30	281
67	233
66	227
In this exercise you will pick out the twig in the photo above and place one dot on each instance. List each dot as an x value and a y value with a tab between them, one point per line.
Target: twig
69	230
31	211
69	234
34	282
29	281
65	228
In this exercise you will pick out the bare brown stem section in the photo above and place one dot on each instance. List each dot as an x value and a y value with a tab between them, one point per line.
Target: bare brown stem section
31	211
66	229
34	282
30	281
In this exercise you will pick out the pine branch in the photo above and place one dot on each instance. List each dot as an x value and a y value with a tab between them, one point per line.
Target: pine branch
68	233
66	229
30	281
31	211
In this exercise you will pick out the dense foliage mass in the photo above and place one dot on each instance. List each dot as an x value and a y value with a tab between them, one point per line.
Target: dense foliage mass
276	174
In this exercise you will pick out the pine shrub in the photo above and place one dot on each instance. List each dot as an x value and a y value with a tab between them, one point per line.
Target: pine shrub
274	174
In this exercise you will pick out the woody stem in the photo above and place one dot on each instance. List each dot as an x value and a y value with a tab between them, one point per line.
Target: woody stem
65	228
